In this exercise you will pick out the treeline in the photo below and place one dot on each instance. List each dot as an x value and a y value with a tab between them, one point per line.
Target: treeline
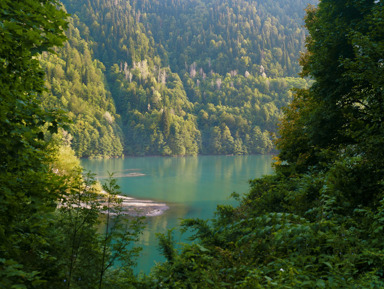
231	115
50	233
222	36
214	74
76	83
219	36
318	221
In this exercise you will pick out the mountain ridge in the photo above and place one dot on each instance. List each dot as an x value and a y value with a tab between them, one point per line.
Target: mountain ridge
189	77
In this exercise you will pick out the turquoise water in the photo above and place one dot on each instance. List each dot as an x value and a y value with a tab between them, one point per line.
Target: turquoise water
191	186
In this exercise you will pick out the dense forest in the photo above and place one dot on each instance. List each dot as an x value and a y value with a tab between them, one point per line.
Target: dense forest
76	84
49	210
176	77
316	223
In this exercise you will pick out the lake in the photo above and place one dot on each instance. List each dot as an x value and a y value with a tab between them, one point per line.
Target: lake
192	187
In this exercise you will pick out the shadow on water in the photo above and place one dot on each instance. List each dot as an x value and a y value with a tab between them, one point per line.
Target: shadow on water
191	187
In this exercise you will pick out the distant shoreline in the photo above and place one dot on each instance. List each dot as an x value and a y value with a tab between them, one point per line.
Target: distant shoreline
171	156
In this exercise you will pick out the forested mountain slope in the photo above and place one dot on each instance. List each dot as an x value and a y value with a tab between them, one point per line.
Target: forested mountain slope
76	83
228	35
191	77
318	222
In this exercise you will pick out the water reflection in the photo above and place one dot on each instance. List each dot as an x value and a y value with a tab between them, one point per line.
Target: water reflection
191	186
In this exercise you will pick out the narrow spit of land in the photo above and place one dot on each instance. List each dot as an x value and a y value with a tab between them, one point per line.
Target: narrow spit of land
129	206
136	207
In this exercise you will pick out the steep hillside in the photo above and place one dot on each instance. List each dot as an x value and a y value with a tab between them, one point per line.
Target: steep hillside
76	83
192	77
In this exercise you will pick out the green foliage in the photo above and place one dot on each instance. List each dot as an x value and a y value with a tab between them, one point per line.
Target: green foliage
225	36
76	84
121	232
221	89
49	213
316	223
77	218
93	238
28	188
220	72
287	233
167	246
151	126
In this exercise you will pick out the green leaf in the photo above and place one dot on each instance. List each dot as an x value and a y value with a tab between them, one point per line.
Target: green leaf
320	283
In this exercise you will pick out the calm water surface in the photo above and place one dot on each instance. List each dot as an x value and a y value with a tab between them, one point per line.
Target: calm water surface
191	186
